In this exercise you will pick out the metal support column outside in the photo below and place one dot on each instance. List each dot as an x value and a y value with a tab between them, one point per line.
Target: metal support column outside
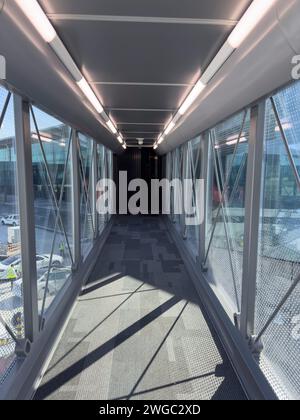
204	156
94	187
75	201
252	217
27	224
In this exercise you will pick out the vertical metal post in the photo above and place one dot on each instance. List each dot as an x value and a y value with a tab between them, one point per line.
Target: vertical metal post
252	218
75	200
27	223
94	186
204	156
184	176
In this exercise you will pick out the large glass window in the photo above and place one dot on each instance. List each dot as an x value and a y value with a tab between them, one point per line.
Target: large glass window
86	150
279	244
11	300
228	144
51	141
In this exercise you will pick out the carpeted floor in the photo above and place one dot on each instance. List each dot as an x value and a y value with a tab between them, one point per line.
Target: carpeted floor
137	331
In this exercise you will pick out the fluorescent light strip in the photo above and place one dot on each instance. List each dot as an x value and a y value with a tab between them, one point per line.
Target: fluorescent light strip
169	128
38	18
42	24
88	92
120	139
255	12
195	92
111	127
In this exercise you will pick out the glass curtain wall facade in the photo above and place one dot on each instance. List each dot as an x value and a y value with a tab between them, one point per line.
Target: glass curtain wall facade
232	149
52	152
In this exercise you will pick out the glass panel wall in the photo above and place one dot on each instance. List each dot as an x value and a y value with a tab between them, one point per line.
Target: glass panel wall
228	143
86	149
51	149
279	245
51	145
11	299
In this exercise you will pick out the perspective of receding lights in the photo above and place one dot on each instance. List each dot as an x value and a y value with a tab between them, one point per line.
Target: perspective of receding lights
111	126
120	139
38	18
87	90
254	13
40	21
124	146
195	92
155	146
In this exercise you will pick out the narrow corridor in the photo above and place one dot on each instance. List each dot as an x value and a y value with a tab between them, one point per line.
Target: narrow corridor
137	331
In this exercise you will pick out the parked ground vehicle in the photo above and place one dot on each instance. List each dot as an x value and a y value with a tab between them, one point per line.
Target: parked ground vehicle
42	261
11	220
57	278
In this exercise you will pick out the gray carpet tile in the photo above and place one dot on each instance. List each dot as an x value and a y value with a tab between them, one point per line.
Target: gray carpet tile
137	330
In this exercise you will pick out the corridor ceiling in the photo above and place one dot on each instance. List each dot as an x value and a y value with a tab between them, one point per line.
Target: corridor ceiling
142	57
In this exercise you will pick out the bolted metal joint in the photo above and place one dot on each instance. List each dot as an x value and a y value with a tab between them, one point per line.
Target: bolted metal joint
237	320
23	348
204	267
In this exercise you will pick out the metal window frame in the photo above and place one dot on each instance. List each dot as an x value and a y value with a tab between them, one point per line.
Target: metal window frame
252	219
27	217
94	186
204	156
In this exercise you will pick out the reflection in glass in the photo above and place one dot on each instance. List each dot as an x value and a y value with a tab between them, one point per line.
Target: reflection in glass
279	244
11	287
226	208
53	204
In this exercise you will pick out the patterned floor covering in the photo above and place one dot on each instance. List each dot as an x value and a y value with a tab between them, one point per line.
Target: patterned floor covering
137	330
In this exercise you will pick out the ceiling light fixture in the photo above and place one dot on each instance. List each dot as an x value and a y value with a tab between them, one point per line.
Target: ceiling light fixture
111	127
195	92
254	14
88	92
161	139
120	139
169	128
39	19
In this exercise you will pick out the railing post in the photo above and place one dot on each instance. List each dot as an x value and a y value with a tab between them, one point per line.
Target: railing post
27	217
75	200
252	219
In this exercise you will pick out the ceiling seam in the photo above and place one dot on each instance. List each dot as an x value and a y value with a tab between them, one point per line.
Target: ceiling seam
141	19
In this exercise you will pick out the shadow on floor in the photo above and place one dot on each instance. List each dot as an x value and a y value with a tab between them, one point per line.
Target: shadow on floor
160	344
